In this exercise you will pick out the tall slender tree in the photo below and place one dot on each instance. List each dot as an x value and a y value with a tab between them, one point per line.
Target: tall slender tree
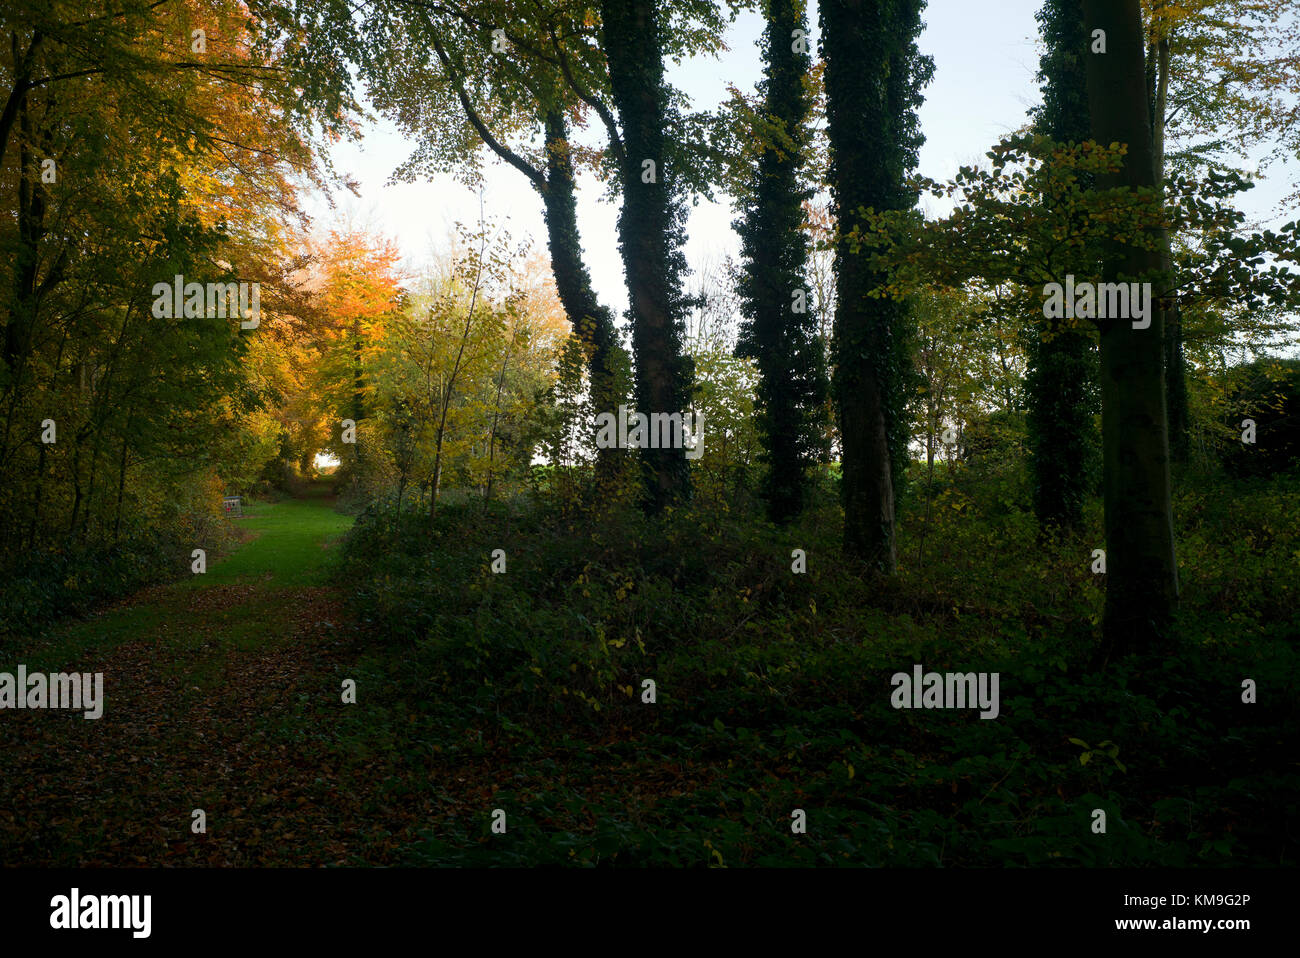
1221	76
779	331
650	229
591	319
1158	67
1060	381
1142	577
874	77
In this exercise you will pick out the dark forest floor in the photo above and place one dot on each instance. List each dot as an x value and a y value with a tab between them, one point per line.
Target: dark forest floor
477	691
220	693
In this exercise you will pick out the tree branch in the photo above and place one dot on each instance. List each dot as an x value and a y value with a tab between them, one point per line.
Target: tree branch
603	111
22	75
500	149
461	15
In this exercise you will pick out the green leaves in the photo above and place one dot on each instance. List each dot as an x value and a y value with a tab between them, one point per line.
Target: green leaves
1107	748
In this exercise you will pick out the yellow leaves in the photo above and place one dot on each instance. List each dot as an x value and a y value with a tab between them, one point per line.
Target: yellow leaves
716	855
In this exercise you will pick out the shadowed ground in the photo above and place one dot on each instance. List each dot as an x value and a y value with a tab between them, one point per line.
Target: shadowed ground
221	692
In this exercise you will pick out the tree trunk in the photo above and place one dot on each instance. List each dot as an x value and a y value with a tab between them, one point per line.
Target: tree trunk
873	79
1175	367
358	400
1060	381
792	387
436	481
31	228
496	413
17	98
358	374
121	480
1142	579
76	486
1060	422
649	228
592	322
37	494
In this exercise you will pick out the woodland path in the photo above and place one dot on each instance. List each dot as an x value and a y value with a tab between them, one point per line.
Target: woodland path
222	692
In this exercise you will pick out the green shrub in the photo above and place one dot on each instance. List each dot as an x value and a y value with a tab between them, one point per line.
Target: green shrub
773	688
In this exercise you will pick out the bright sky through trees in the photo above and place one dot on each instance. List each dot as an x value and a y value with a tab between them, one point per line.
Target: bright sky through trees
983	89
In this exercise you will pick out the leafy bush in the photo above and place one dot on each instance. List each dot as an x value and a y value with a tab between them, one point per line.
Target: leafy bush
773	688
1267	391
73	575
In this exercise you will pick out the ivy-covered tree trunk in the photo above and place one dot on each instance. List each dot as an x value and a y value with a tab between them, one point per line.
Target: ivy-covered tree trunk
1060	381
874	75
1142	575
592	322
1061	400
650	233
780	331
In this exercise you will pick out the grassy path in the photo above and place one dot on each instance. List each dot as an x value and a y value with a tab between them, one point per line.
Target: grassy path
290	546
221	693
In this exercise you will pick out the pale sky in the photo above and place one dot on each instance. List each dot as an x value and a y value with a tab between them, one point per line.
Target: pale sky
985	54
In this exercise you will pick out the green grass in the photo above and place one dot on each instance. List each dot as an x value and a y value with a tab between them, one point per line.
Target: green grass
290	551
291	548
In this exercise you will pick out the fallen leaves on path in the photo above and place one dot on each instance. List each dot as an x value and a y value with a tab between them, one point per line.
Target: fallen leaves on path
248	735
